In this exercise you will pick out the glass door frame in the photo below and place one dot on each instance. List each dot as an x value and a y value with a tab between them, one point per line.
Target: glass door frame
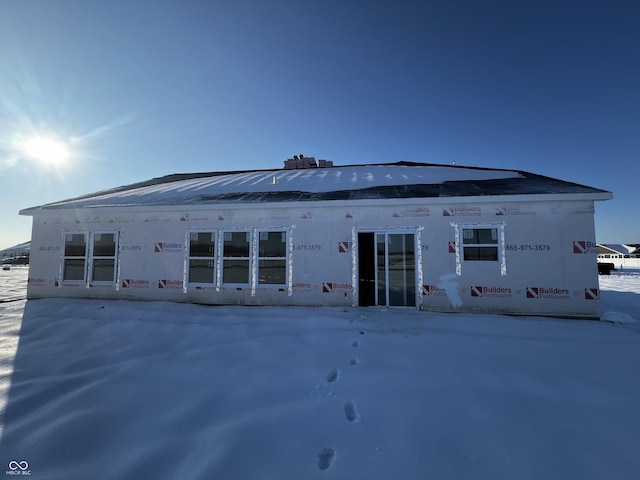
417	261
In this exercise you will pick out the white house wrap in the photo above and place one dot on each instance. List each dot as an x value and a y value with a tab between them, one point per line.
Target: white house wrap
445	238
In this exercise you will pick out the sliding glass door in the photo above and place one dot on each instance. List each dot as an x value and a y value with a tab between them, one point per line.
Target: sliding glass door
387	269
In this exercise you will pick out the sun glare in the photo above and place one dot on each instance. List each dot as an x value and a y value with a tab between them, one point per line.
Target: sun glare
45	150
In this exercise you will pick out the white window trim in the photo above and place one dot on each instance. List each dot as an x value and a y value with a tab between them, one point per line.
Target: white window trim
91	257
250	258
253	259
187	257
64	257
501	245
258	257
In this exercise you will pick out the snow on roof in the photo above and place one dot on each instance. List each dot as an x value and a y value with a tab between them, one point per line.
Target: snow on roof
21	248
397	180
618	248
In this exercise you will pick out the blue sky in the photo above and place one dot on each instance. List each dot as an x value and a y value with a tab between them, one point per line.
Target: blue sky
143	89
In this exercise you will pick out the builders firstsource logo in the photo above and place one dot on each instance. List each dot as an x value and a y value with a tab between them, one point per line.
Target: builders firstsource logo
461	212
433	291
583	246
537	293
167	247
485	291
513	210
169	284
331	287
135	283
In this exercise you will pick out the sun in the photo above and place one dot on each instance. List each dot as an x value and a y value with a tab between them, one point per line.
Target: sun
46	150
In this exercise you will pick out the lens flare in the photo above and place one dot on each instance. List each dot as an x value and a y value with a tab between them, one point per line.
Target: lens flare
46	150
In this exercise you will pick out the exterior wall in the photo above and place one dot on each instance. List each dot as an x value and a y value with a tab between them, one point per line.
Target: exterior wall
619	260
547	259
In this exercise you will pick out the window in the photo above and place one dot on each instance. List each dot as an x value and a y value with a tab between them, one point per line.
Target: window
103	258
75	256
236	257
480	244
272	258
202	247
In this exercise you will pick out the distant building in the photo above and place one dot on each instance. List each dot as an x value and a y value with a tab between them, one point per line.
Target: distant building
437	237
18	254
622	256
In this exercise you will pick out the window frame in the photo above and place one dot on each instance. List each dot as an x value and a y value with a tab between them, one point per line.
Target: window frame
213	258
501	263
65	257
480	245
92	257
259	257
227	258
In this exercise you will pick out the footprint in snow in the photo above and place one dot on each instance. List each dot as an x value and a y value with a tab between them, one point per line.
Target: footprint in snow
355	343
351	412
354	361
333	375
326	457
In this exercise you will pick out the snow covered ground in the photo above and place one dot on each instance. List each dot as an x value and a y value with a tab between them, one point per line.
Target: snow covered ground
126	390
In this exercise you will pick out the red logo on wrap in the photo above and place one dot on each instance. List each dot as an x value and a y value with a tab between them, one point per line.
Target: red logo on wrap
548	293
158	247
433	290
170	284
476	291
452	247
343	247
532	292
584	246
579	247
591	294
327	287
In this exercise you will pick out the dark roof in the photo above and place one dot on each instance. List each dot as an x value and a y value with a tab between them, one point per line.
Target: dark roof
402	180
